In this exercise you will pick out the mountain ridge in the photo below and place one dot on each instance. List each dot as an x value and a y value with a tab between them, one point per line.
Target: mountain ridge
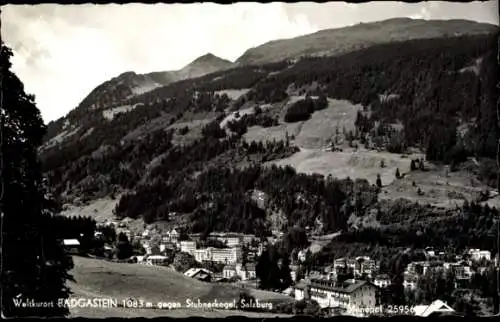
322	41
130	83
118	90
326	42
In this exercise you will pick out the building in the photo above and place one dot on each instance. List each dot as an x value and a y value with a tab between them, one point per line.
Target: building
248	239
352	297
478	255
126	232
171	236
246	272
71	245
156	260
430	252
460	269
410	281
229	239
229	271
418	268
437	307
188	246
382	280
201	274
218	255
361	266
301	256
365	266
147	247
293	272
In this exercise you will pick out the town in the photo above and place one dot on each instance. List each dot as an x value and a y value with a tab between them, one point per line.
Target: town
356	286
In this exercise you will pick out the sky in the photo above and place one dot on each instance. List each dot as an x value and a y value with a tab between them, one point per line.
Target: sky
62	52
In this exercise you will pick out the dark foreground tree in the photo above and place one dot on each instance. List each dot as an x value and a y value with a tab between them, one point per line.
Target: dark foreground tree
123	247
34	264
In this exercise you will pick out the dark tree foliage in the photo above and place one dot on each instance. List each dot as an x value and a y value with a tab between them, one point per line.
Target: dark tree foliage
241	126
426	78
123	247
473	228
424	82
213	130
300	110
217	198
363	123
273	269
34	264
421	84
321	102
295	238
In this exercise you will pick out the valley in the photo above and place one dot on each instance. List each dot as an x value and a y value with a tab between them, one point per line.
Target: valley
352	146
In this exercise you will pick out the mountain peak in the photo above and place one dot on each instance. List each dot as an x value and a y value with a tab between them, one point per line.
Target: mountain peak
209	58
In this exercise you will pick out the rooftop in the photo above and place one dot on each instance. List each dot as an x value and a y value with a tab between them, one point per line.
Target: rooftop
71	242
382	277
327	285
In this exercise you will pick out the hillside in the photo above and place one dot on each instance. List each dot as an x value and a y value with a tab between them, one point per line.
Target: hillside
342	40
108	97
200	146
101	279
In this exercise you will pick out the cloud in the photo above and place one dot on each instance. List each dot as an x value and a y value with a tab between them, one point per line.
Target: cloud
62	52
422	14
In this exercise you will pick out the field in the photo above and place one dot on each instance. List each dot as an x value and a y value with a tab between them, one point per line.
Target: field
102	279
101	210
233	94
439	188
314	133
363	164
339	116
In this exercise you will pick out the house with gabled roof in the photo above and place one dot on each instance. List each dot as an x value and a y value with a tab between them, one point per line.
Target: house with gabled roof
437	307
201	274
71	245
352	297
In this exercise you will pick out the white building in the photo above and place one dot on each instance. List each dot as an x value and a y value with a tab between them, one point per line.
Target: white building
364	265
414	267
71	242
155	260
229	271
301	256
218	255
230	239
410	281
382	281
147	247
71	245
188	246
352	298
477	254
430	252
459	268
293	272
171	236
246	272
